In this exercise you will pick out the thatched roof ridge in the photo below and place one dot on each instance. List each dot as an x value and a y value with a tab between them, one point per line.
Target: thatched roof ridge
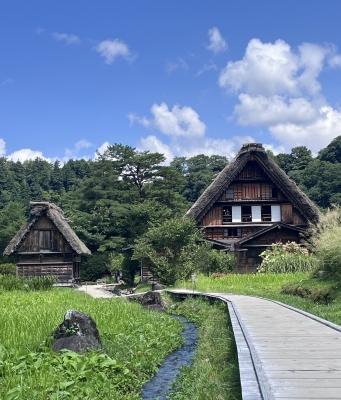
224	178
56	215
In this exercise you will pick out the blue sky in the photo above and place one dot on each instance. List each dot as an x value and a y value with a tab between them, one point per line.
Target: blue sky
178	77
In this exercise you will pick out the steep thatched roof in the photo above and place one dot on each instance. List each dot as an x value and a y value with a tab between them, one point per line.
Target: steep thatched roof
56	215
299	199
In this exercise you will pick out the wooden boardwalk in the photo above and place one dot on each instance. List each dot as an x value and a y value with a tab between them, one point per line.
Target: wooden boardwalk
283	353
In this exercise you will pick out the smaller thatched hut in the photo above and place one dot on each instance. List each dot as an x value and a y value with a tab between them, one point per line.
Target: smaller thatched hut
47	245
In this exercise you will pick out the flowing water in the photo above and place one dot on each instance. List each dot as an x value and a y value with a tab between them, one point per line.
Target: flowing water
161	383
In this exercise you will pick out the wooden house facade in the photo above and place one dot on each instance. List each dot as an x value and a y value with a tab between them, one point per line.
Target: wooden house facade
47	245
250	205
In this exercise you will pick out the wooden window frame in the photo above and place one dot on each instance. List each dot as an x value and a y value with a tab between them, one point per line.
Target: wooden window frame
233	232
229	194
227	214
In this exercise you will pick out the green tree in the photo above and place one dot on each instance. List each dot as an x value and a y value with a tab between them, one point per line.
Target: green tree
332	152
170	249
12	217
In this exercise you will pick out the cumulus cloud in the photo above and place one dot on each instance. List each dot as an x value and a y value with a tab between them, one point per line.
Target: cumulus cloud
110	49
278	88
2	148
217	42
173	65
101	149
185	132
66	37
155	145
175	122
26	154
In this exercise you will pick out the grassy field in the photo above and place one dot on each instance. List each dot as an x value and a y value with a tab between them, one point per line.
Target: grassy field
270	286
135	340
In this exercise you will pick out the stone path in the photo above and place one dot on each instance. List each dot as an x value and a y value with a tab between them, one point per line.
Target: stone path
96	291
283	353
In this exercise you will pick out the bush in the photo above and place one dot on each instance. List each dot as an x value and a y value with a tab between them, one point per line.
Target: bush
8	269
286	258
95	267
322	295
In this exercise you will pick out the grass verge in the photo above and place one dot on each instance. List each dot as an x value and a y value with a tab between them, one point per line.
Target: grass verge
214	374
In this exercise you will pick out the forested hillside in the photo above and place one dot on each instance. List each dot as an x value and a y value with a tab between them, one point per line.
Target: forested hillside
113	200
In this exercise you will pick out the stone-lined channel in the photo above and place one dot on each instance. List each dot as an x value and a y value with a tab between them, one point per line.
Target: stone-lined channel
161	383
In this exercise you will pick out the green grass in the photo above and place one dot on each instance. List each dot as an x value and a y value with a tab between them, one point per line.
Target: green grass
214	374
135	340
270	286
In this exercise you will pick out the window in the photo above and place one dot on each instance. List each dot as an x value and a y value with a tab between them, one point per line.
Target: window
227	214
44	240
273	192
266	213
229	194
233	232
246	214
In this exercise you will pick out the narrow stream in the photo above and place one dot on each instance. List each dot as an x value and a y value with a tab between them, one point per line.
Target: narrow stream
161	383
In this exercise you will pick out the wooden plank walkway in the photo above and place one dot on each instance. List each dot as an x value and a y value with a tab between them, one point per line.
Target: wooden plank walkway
283	353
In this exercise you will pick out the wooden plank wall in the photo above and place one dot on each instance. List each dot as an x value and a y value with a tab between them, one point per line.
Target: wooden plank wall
61	272
34	241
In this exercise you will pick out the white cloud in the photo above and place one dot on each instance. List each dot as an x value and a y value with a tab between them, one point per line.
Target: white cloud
269	111
155	145
173	65
186	133
207	67
66	37
315	135
101	149
74	152
176	122
110	49
2	147
217	42
278	88
26	154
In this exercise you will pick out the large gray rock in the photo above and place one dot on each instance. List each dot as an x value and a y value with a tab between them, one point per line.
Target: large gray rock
78	332
157	286
153	301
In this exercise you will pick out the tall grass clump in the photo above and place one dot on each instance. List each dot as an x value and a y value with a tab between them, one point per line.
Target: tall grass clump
40	282
10	283
324	241
287	258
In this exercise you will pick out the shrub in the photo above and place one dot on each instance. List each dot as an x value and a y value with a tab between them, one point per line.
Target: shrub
322	295
95	267
286	258
7	269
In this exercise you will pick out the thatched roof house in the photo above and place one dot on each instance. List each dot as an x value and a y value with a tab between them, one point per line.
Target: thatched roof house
252	200
47	245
